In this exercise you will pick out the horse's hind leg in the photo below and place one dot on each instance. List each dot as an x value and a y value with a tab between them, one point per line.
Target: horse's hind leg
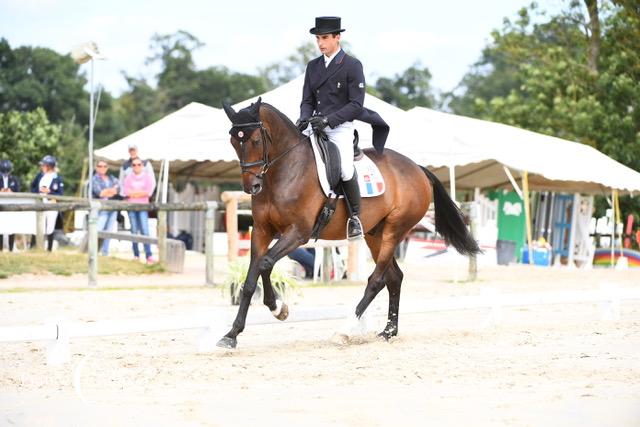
393	278
382	249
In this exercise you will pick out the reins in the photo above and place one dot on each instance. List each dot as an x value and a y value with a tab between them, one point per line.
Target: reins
265	163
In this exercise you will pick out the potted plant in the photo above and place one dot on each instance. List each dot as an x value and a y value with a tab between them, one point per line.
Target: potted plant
281	281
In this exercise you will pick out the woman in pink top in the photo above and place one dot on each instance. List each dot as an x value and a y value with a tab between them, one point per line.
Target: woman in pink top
137	187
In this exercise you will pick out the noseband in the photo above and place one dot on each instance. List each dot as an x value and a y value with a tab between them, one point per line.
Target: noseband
264	163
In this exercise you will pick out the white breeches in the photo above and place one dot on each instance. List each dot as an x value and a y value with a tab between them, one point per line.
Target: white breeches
342	136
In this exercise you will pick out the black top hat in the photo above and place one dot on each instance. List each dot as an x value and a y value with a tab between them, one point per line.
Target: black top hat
327	25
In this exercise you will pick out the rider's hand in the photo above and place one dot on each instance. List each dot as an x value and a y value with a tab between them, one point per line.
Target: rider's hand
318	122
302	124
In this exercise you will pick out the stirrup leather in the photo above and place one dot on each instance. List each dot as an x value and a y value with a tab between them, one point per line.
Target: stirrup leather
354	228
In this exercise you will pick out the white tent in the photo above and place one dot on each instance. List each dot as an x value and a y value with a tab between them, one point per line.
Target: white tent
480	150
194	139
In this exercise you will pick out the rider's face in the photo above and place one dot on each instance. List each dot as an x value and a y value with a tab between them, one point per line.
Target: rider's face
328	43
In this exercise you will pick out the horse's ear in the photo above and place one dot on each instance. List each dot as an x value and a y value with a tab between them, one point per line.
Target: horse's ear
255	107
229	110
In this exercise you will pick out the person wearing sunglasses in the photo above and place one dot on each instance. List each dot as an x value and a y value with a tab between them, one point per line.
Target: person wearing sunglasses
137	188
105	187
126	168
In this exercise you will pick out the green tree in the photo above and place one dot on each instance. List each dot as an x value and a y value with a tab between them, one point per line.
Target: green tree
411	88
32	77
25	137
177	79
575	75
292	66
139	106
180	83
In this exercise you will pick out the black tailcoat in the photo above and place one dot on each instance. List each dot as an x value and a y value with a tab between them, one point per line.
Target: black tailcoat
337	92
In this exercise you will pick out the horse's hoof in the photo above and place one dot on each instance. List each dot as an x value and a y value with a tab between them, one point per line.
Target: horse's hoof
387	335
227	342
284	312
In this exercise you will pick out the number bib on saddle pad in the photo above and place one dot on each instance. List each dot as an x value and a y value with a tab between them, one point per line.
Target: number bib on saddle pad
370	179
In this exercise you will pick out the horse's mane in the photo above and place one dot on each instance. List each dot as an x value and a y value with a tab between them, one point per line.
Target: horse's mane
280	114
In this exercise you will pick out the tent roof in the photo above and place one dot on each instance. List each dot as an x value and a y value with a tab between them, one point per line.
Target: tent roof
479	149
194	139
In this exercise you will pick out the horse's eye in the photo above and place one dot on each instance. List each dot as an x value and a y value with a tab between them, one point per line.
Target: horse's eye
255	141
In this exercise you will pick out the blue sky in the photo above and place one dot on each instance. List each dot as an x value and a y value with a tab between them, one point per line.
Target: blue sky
388	37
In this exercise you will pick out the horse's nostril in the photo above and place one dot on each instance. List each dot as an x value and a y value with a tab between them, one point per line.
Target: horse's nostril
256	188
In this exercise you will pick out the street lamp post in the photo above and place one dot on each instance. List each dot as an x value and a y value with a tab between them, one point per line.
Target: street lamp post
83	53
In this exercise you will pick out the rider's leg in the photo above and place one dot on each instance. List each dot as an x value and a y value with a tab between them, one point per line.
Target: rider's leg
342	136
352	195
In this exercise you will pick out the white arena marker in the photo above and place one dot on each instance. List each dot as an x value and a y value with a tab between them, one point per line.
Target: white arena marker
58	349
493	301
77	386
610	305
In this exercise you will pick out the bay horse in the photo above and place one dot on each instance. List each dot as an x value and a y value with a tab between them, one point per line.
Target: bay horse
278	170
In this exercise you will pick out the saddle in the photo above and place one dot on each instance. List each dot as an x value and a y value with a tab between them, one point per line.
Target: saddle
330	156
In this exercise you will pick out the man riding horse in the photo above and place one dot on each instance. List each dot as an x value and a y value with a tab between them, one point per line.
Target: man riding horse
277	165
332	98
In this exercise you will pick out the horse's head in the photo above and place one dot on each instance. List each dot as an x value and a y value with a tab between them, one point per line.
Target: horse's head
248	137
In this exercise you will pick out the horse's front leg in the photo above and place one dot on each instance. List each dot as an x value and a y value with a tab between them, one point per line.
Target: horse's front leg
262	264
260	240
278	308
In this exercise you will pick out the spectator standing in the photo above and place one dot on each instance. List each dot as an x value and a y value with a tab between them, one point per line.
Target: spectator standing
8	184
105	187
48	182
126	167
137	188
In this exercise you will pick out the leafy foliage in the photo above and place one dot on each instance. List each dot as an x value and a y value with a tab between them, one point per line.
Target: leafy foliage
32	77
410	89
25	137
280	280
575	76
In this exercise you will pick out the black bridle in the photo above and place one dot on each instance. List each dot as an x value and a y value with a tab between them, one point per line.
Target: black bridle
264	163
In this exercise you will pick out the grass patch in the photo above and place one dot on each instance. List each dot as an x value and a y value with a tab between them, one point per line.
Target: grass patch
66	263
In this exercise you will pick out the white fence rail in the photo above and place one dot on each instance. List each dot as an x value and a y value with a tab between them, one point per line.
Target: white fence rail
211	324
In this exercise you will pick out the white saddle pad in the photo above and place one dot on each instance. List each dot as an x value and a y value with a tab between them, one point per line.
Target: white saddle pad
370	179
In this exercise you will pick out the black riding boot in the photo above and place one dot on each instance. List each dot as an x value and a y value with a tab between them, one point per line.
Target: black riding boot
352	196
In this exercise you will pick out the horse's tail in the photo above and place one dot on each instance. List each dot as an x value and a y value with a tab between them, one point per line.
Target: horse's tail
450	219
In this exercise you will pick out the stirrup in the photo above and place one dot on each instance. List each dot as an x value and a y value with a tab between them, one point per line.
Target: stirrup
354	228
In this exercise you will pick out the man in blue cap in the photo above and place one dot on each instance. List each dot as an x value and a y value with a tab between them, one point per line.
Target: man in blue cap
48	182
332	98
8	184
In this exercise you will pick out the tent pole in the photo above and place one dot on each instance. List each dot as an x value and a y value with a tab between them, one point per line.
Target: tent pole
513	181
452	182
575	209
613	224
527	213
165	182
159	181
619	221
